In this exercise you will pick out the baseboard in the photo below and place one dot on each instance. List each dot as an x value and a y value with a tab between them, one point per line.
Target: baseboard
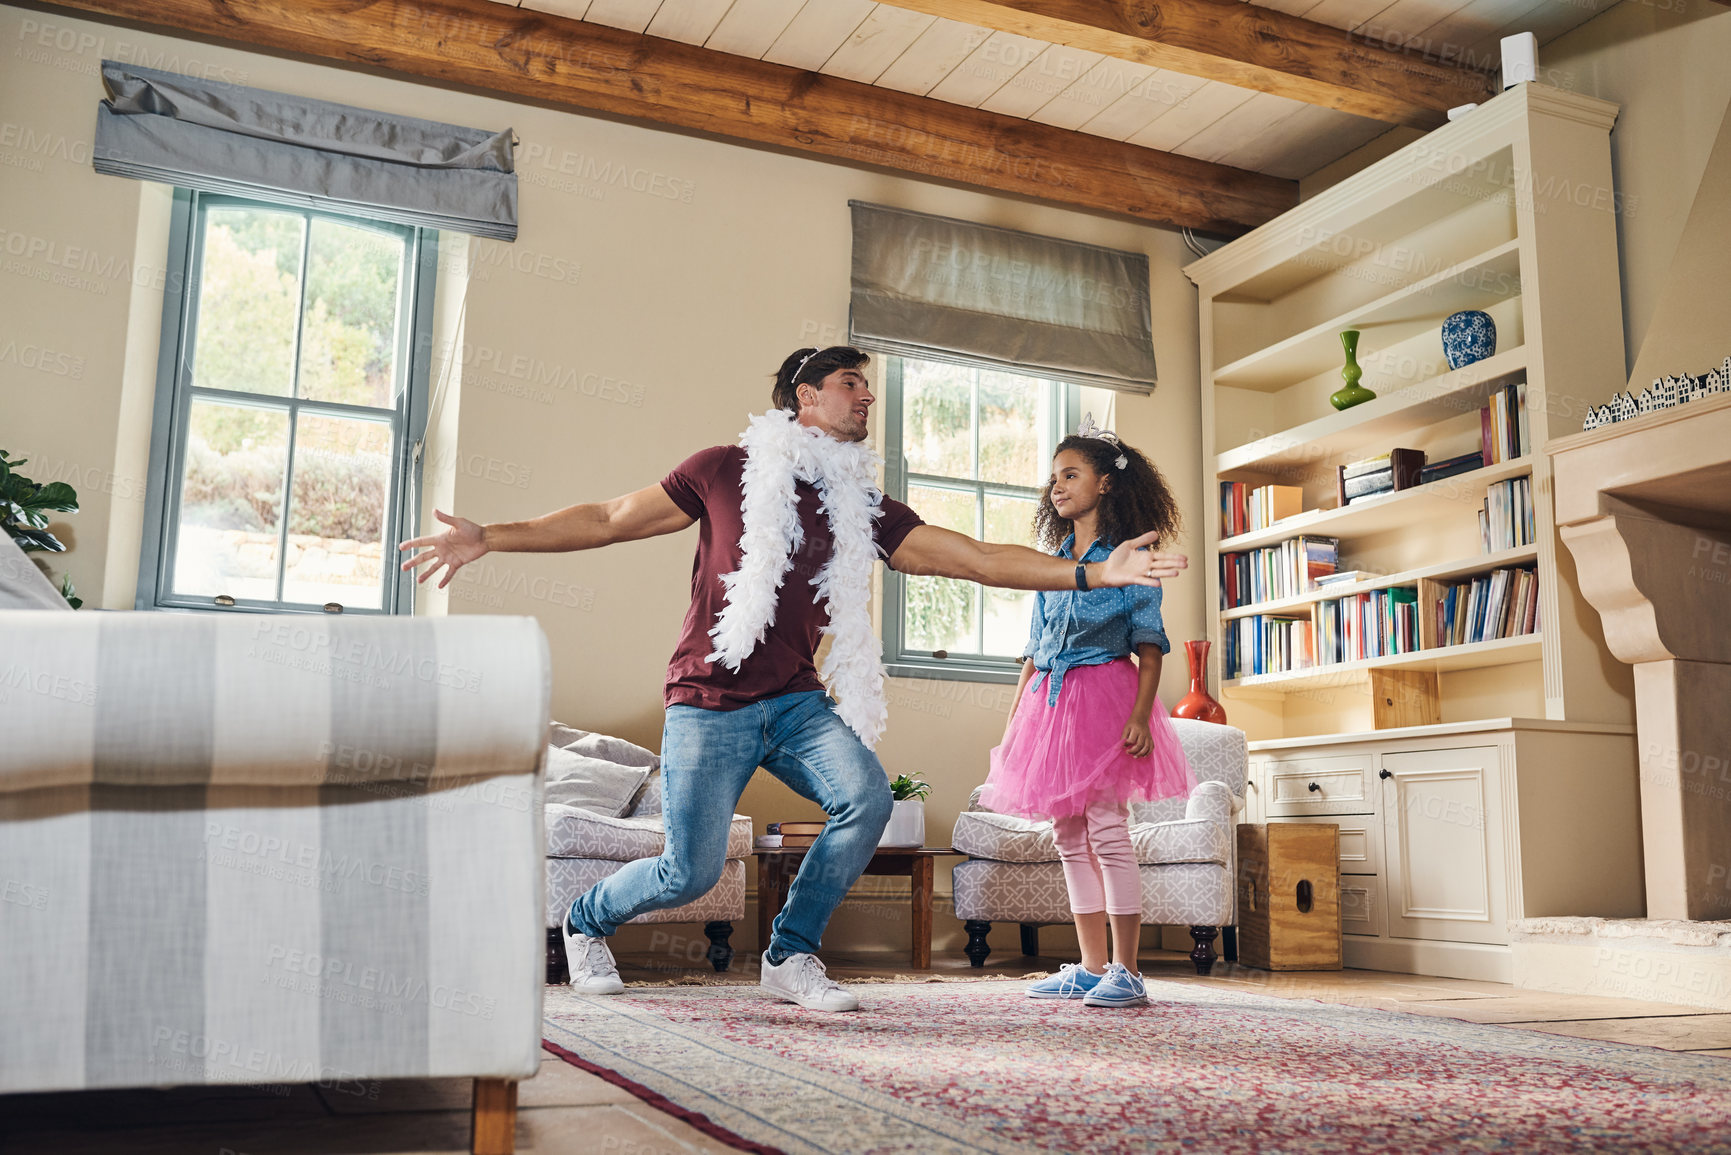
1452	960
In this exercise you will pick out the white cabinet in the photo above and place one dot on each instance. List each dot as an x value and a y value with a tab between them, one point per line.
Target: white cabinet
1443	828
1448	832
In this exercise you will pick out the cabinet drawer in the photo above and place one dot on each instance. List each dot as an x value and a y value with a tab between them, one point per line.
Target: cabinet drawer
1361	904
1360	841
1338	785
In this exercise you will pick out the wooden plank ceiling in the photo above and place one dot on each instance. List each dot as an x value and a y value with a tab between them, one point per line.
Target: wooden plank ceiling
904	46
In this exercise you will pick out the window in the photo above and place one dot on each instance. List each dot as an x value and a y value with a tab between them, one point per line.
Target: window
969	448
292	383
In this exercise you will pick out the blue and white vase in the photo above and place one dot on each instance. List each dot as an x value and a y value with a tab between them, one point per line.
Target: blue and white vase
1467	337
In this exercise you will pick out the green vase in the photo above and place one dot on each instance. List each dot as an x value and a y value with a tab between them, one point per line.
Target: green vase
1353	393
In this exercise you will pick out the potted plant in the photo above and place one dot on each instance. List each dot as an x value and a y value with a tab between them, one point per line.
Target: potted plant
907	825
24	509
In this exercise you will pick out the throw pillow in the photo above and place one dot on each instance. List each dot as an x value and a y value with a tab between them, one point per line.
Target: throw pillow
595	784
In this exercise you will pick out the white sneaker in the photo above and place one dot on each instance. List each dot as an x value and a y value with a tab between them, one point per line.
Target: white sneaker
593	971
801	979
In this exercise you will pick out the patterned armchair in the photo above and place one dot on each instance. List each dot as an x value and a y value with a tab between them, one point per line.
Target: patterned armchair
584	846
1184	846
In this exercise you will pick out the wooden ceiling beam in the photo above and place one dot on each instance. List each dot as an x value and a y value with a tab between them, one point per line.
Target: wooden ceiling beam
550	59
1243	45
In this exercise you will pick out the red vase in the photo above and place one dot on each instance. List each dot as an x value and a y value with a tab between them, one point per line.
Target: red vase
1197	703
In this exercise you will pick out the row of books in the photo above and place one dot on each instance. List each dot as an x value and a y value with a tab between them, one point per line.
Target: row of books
1504	432
1502	604
1506	519
1381	623
1266	644
1284	570
1245	508
1373	624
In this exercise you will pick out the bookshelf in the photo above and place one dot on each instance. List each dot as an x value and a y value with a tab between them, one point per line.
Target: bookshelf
1484	213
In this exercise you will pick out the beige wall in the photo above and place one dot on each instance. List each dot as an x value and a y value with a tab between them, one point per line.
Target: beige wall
658	279
1663	64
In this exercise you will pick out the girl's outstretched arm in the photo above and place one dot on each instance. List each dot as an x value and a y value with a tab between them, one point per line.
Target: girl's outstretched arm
1138	738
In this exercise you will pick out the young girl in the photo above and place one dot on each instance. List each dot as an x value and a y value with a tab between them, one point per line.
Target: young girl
1086	735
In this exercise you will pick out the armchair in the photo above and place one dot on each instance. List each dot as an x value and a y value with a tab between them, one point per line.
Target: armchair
585	845
1184	847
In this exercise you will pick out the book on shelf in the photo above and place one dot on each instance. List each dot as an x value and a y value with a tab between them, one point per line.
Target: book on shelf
797	828
1503	603
1245	508
767	841
1395	470
1344	577
784	841
1283	570
1452	467
1504	430
1266	644
1506	517
1374	624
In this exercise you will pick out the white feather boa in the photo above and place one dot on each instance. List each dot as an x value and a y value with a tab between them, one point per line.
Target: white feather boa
780	451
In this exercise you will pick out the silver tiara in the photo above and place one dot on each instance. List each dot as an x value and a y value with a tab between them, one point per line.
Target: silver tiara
1089	429
802	364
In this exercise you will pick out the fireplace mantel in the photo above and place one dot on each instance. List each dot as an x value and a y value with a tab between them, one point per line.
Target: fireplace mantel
1644	507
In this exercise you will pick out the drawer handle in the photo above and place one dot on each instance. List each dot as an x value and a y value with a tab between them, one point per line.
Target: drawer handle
1314	788
1384	774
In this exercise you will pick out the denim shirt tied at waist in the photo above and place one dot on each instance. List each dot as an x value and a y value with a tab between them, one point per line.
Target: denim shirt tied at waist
1076	628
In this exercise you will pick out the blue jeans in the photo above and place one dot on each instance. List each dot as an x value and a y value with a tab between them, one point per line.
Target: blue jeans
707	757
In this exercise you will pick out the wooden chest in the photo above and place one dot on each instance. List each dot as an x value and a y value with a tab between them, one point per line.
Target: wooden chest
1289	896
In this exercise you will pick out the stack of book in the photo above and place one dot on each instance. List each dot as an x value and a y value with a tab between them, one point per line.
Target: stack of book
1285	570
1503	431
1506	521
1384	473
1266	644
789	835
1452	467
1374	624
1501	604
1244	509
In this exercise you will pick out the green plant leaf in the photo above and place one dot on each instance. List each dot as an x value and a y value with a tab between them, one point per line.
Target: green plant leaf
56	495
36	539
70	592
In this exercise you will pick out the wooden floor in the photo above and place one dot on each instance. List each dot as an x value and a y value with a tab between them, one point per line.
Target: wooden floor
568	1111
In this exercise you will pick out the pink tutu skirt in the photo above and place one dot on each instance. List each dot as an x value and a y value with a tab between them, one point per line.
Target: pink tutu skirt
1056	760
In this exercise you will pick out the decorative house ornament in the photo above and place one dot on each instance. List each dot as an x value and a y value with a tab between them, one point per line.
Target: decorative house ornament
1468	336
1664	393
1352	393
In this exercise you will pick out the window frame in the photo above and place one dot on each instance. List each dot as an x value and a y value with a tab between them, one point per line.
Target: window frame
900	662
175	392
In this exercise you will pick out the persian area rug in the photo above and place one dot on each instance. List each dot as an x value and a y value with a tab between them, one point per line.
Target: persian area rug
946	1069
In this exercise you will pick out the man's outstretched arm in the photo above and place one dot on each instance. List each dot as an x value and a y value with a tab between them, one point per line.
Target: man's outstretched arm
646	513
931	551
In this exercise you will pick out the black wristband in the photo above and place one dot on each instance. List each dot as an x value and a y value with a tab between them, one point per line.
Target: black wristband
1081	575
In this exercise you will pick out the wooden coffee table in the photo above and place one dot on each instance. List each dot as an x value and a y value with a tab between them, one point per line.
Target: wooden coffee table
776	867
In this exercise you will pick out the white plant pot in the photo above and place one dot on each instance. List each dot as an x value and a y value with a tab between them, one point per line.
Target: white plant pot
907	825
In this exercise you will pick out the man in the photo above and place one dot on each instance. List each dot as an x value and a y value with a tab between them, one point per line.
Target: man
790	509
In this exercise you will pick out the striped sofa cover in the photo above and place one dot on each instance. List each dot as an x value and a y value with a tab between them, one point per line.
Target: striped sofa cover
269	849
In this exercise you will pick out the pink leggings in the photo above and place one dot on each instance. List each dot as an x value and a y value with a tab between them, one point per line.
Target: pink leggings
1099	864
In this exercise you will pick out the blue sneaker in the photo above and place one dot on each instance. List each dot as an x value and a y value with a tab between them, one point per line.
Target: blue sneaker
1117	988
1071	982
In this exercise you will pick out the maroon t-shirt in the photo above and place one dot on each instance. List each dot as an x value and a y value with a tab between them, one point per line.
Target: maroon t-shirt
706	486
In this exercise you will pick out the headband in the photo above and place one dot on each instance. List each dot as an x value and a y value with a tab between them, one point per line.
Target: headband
794	380
1089	429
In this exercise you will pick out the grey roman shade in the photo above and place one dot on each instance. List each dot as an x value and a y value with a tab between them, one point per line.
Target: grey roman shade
217	137
943	289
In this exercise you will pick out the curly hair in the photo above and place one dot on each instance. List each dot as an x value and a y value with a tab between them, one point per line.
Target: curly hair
1136	501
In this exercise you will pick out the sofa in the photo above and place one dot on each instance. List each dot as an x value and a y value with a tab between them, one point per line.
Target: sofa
603	811
270	849
1184	847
